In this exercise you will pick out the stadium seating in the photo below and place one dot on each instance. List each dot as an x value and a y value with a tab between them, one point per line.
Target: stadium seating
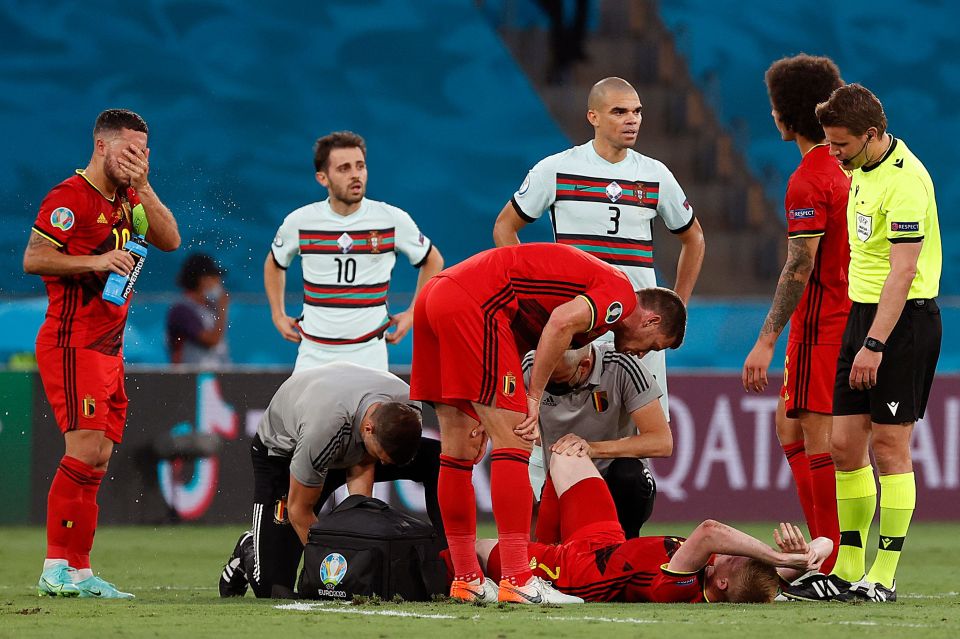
910	68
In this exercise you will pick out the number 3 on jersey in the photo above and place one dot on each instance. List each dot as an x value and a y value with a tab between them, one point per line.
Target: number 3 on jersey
346	269
615	218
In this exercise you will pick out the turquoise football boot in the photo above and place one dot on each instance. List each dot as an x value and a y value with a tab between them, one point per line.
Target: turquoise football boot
57	581
100	589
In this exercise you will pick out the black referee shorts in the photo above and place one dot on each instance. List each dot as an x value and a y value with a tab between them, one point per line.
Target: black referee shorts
906	370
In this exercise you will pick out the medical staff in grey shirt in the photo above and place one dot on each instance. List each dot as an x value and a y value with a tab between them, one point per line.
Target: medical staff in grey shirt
603	405
338	416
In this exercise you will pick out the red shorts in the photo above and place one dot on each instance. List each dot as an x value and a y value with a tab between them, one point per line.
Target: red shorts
462	353
85	389
809	372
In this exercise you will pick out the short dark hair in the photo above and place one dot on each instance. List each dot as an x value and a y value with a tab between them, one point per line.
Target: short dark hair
116	119
796	85
671	309
195	267
335	140
756	582
855	107
397	428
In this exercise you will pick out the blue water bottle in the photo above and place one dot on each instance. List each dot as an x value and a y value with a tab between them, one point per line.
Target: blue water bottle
118	287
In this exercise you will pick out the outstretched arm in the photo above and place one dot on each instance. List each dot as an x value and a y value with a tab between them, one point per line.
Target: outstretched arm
690	260
506	230
801	253
653	438
300	502
565	321
41	257
712	537
403	322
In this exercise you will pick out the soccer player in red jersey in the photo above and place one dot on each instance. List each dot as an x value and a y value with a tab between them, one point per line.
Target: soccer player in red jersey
75	244
596	562
471	323
812	291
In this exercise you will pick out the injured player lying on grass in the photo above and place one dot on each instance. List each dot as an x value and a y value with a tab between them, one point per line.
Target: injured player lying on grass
594	561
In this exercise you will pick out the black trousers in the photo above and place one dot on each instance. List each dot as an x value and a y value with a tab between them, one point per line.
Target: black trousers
271	569
633	490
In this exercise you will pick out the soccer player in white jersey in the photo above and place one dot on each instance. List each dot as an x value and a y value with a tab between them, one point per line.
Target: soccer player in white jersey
348	245
603	198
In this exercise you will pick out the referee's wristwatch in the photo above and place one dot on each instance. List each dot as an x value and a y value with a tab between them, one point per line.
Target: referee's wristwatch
874	345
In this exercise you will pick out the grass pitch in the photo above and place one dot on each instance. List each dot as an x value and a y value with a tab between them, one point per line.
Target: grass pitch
174	570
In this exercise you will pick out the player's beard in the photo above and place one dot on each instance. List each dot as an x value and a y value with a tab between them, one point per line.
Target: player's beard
347	196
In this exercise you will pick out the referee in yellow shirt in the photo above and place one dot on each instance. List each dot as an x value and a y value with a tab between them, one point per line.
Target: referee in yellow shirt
890	346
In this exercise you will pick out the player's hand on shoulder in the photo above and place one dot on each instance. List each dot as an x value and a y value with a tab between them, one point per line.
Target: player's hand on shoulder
287	327
572	446
116	261
401	323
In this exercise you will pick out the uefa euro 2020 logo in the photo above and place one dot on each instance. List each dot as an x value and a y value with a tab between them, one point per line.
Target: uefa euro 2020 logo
333	568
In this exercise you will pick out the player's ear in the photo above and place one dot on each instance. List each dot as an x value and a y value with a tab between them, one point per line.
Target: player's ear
722	584
322	179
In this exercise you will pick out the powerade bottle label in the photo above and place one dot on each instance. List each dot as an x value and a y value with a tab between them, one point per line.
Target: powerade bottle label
118	287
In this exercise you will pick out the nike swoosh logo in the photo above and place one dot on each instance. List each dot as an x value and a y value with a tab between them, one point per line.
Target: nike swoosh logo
477	593
95	593
538	598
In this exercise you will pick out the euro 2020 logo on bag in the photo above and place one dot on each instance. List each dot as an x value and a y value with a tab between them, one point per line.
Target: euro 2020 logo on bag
333	569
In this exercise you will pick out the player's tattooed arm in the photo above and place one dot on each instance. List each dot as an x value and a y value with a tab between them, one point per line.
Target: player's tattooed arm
801	253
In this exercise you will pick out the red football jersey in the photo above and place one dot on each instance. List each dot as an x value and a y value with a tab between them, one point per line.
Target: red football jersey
528	281
816	206
631	571
81	221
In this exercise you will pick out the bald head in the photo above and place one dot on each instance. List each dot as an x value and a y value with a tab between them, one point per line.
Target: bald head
604	88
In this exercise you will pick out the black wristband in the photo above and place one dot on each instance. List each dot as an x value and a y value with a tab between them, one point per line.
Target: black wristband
874	345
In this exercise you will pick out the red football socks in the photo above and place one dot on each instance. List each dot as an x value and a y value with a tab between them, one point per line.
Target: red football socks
512	500
800	466
823	484
78	553
459	512
548	516
70	519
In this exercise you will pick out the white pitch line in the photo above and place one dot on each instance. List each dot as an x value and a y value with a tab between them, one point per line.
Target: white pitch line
322	607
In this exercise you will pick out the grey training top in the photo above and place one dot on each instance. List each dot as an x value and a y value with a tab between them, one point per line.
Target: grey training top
314	417
599	409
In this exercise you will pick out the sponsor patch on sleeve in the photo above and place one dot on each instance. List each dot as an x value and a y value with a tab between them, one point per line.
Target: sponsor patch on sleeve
524	186
800	214
905	227
614	311
62	218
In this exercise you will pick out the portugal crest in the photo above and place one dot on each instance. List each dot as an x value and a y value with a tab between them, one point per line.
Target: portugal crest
374	241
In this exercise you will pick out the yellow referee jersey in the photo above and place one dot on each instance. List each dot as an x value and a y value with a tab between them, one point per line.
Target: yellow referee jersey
891	202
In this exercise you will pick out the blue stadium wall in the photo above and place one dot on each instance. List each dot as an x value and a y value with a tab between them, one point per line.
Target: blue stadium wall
236	93
907	52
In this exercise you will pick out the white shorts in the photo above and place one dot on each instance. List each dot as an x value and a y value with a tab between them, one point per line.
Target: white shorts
656	362
372	354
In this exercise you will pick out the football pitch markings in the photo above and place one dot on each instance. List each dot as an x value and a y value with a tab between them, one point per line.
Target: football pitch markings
345	608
